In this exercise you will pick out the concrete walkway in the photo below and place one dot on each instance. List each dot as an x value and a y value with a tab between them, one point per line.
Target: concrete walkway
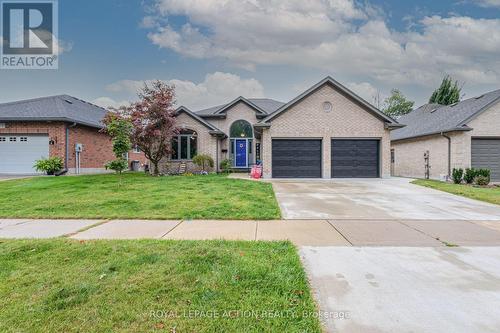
300	232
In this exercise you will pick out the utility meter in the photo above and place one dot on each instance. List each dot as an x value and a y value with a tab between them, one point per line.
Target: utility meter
79	147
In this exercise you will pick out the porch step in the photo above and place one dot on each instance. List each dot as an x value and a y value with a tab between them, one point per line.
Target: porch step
240	170
182	168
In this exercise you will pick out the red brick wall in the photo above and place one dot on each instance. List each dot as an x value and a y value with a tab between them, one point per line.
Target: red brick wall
97	149
137	157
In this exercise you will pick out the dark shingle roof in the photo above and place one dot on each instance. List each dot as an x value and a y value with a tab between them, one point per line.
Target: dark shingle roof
54	108
266	104
211	127
434	118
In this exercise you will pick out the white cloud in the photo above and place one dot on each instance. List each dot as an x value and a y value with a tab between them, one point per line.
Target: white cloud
217	88
488	3
63	46
107	102
343	36
366	91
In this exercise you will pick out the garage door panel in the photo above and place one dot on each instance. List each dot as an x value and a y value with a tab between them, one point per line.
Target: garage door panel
355	158
294	158
18	153
486	155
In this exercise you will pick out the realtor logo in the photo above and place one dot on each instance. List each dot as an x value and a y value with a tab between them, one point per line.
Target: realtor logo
29	35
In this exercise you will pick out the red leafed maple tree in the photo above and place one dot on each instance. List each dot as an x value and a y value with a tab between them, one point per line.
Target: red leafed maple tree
153	120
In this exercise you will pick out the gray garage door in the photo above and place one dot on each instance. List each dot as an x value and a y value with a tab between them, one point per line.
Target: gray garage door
486	155
18	152
293	158
355	158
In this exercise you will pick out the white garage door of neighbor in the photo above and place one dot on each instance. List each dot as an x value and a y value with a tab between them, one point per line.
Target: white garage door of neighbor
18	152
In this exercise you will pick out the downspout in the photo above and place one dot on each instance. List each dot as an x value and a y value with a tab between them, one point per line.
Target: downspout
217	155
66	159
449	153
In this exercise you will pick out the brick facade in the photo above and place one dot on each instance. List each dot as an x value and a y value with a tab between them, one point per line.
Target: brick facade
307	119
239	111
409	154
206	144
97	148
209	144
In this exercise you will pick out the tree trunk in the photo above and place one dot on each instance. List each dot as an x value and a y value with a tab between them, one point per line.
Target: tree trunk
155	168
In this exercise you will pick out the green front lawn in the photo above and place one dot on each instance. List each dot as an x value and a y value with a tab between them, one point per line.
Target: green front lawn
153	286
488	194
140	196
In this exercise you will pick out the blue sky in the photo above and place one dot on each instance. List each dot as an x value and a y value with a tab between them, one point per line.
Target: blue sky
214	51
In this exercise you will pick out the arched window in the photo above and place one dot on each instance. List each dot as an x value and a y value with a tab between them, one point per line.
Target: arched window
185	145
241	129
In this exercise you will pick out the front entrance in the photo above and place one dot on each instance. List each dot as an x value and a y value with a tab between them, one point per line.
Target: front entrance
241	156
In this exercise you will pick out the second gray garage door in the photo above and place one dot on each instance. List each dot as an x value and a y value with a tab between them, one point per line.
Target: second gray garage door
355	158
294	158
486	155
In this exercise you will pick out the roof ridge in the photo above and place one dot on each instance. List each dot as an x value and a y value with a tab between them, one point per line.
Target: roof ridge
32	100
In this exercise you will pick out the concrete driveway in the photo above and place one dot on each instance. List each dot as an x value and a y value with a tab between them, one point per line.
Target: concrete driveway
386	289
374	199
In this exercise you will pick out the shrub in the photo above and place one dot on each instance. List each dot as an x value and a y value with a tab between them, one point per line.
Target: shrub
470	174
483	172
225	165
482	180
482	177
457	175
119	165
203	161
49	165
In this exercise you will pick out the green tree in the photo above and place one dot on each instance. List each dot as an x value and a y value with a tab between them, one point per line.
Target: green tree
120	130
447	93
397	104
203	161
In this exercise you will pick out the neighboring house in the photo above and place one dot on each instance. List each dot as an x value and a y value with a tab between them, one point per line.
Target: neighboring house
325	132
462	135
53	126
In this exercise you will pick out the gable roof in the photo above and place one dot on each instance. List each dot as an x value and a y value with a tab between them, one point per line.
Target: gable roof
264	107
54	108
434	118
212	128
335	84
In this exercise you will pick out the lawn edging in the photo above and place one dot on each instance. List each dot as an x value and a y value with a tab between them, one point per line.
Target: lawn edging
485	194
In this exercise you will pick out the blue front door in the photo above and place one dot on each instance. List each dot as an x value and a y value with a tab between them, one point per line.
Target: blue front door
241	153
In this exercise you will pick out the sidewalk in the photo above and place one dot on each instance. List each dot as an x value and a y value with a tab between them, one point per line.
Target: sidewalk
300	232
